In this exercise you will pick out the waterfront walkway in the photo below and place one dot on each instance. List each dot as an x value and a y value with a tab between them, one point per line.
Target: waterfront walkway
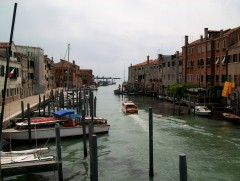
14	109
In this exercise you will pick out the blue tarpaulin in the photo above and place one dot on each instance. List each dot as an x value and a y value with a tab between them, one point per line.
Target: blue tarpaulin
64	112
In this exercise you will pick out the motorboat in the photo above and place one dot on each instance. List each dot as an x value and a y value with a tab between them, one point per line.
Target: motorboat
129	107
231	117
201	111
44	128
21	156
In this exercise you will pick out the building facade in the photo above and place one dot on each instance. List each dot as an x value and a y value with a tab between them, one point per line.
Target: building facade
156	75
86	76
37	55
14	82
67	74
212	59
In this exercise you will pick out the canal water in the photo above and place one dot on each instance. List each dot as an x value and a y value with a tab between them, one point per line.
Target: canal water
212	147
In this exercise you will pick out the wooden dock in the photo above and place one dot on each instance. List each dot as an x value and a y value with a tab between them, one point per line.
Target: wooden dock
29	167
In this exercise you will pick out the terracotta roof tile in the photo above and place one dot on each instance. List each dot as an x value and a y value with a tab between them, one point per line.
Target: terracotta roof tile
145	63
4	45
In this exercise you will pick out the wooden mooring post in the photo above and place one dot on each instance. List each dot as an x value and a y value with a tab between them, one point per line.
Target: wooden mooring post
59	152
84	133
151	172
94	159
183	167
22	106
39	105
29	125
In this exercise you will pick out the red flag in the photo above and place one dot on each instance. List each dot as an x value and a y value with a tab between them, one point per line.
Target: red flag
11	74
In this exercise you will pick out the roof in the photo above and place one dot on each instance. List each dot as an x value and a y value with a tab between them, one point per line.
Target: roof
4	45
63	63
146	63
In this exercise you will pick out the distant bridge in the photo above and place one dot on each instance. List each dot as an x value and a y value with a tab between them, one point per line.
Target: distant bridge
105	77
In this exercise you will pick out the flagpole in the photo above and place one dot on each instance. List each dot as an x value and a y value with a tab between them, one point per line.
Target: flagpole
8	53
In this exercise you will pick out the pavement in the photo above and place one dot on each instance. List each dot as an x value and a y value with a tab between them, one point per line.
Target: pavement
14	109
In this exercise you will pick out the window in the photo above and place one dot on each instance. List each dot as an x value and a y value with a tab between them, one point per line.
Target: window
192	50
230	78
224	43
209	61
208	78
203	48
223	59
217	78
173	64
218	46
199	49
235	78
217	61
200	62
209	46
224	78
235	58
180	62
2	70
229	59
197	78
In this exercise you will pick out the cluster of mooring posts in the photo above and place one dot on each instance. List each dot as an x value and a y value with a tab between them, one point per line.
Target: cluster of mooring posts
85	103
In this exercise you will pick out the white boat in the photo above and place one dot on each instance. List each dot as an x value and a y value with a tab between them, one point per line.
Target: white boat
25	156
44	128
128	107
49	132
202	111
24	152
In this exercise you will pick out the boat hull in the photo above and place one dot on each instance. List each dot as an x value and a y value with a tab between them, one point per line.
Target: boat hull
48	133
201	111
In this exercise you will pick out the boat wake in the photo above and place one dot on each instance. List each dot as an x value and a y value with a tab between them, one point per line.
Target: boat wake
141	122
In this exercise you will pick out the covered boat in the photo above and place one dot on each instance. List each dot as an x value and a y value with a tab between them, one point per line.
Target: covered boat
44	128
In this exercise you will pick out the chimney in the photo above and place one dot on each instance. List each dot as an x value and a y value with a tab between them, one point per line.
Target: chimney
186	40
221	33
205	33
159	57
148	59
73	62
201	37
177	54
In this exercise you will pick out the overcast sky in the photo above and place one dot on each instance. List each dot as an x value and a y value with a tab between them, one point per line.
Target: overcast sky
108	35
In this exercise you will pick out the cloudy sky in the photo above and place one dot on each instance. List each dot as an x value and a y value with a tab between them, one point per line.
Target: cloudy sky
108	35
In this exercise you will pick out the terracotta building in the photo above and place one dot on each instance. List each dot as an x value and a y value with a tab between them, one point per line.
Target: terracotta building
207	61
67	74
156	75
86	76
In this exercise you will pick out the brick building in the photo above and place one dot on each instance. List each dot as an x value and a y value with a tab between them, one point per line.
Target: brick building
86	76
209	60
156	75
67	74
